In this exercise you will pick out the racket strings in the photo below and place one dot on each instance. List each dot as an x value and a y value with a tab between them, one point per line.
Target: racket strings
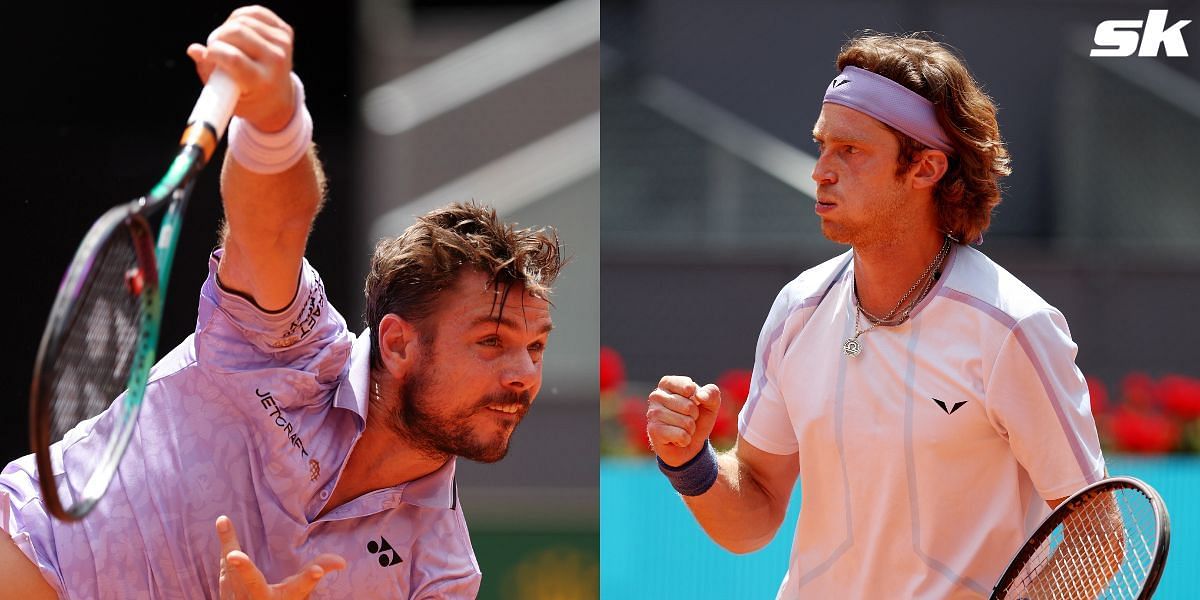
92	365
1101	550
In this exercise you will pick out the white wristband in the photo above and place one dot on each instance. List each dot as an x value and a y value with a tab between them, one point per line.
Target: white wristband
270	153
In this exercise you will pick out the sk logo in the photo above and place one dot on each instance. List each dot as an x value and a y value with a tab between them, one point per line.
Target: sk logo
314	470
949	411
1121	37
382	547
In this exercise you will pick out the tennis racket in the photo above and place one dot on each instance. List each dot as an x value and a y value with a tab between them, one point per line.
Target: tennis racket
1109	540
103	328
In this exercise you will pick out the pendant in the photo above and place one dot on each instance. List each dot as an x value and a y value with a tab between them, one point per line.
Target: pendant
851	347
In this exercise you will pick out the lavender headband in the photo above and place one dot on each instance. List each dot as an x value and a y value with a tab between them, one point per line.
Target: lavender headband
890	102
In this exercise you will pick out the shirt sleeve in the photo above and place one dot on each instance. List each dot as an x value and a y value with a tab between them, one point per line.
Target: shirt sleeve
764	420
451	570
462	586
25	518
233	334
1037	399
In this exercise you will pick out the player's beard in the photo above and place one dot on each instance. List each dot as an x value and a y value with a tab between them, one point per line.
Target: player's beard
440	433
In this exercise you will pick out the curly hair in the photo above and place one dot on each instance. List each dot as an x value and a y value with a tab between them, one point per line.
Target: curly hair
409	273
970	189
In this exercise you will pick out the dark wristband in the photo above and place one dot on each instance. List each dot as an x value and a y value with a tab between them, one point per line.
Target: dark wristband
695	476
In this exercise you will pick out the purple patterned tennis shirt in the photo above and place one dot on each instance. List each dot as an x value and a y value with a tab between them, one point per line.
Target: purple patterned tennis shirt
253	416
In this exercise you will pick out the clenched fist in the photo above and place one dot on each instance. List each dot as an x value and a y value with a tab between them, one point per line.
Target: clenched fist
254	46
679	418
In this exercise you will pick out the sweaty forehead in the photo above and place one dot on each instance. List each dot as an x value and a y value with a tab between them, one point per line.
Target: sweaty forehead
476	298
837	122
515	300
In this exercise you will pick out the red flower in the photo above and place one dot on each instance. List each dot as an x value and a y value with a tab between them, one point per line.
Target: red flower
735	388
1139	390
724	430
633	418
1180	396
1099	395
612	369
1140	432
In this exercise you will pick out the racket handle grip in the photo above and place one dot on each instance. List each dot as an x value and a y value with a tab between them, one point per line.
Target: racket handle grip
216	102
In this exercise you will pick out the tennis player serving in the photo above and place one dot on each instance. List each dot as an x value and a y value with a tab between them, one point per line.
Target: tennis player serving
277	454
928	400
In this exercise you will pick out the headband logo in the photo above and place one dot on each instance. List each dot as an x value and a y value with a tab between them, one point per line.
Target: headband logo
891	103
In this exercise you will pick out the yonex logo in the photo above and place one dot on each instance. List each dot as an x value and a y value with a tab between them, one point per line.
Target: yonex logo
382	547
1120	37
949	411
837	83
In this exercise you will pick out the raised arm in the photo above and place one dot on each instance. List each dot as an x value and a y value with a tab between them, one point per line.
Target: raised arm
746	504
270	201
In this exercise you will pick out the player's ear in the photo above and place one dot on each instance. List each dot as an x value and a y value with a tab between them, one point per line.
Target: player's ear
929	168
397	344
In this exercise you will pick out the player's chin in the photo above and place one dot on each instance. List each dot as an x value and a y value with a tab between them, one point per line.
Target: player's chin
490	456
491	444
490	452
835	232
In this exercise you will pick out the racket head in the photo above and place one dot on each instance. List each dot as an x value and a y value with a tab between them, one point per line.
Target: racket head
1135	555
100	340
89	351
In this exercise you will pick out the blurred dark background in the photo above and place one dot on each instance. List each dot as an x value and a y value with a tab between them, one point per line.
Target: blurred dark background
96	98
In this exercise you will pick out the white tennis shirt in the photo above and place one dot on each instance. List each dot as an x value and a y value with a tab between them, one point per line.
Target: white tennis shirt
926	460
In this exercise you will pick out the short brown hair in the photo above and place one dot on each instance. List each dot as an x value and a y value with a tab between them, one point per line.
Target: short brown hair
970	189
409	273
